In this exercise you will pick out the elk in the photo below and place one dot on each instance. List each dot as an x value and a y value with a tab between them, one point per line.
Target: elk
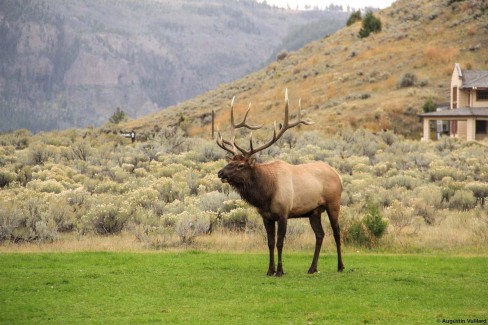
281	191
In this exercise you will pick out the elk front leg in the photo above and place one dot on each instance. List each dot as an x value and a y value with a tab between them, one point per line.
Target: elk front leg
270	231
282	222
316	223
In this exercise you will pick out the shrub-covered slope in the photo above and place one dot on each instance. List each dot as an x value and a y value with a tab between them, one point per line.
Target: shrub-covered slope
165	191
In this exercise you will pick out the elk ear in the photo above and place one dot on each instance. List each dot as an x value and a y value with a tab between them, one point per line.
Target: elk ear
252	162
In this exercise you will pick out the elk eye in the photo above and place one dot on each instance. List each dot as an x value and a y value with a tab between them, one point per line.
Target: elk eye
240	166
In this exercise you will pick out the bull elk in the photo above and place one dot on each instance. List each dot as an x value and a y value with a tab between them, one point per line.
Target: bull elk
281	191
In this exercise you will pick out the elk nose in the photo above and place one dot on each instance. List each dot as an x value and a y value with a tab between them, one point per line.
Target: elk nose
220	174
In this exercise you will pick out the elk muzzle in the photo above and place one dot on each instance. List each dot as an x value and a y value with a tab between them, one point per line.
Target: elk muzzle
222	176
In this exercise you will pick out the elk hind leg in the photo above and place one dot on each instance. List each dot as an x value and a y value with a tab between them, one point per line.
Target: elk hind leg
333	213
316	223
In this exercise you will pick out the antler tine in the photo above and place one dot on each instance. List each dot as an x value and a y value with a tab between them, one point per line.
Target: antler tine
282	130
243	122
222	143
231	146
285	121
300	121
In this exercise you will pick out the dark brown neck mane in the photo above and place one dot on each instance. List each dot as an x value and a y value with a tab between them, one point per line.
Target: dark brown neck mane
258	189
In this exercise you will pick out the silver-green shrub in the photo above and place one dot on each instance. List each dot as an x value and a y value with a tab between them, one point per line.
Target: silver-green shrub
108	216
28	222
462	200
402	181
236	219
6	177
480	191
190	225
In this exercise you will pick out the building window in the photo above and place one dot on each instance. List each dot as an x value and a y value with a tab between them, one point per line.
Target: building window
482	95
481	127
454	97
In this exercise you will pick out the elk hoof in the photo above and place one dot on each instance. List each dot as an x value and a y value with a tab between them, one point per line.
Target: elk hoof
271	272
280	273
312	270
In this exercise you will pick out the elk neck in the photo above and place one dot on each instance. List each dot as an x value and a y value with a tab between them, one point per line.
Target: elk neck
259	188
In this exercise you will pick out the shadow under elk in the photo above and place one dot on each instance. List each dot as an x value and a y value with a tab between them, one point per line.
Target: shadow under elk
281	191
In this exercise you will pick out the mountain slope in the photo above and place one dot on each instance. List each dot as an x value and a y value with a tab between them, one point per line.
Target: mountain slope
345	81
72	63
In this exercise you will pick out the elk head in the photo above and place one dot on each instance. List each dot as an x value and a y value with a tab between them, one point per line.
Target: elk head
238	169
242	162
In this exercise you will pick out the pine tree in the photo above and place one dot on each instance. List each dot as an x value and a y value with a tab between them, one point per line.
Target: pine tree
118	116
354	17
370	24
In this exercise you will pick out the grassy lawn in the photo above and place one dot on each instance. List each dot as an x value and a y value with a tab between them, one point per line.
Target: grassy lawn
221	288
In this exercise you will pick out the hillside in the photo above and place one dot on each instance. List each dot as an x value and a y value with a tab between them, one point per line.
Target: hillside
345	81
72	63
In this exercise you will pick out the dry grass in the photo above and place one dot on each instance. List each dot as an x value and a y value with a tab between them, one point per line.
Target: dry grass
219	241
124	242
438	55
457	232
453	234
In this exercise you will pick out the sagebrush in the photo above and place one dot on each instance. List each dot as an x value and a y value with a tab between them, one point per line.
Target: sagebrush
97	182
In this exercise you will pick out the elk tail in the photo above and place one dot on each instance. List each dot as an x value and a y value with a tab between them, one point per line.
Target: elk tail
340	178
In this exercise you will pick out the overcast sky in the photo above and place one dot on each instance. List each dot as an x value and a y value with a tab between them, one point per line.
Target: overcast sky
321	3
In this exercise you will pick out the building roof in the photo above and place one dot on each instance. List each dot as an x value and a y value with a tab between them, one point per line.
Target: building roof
459	112
475	79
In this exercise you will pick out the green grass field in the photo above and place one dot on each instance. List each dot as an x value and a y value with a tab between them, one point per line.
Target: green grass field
222	288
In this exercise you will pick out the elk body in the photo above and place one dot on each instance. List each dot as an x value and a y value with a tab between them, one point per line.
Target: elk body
281	191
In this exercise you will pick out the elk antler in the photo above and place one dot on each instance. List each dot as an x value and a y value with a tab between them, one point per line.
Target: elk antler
243	123
232	147
286	125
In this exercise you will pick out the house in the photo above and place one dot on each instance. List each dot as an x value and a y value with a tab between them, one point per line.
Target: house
466	116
